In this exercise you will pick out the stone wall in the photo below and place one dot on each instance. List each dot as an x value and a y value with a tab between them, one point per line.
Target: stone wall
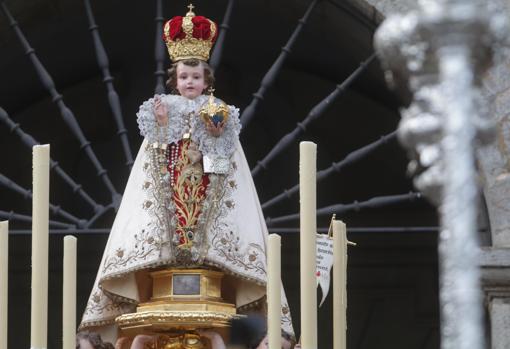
494	160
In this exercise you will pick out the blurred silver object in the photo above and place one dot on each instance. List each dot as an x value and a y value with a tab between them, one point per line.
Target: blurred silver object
434	57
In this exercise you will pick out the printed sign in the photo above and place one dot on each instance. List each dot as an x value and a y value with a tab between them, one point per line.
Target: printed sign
324	260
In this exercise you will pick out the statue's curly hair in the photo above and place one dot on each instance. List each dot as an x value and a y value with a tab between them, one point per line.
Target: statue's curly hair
171	83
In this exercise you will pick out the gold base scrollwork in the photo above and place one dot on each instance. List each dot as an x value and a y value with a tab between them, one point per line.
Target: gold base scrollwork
179	341
167	321
183	300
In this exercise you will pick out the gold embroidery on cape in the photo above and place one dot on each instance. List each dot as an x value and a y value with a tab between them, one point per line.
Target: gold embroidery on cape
286	319
145	244
227	245
189	193
226	239
98	304
149	240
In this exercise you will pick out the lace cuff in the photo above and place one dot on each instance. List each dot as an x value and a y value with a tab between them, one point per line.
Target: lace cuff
214	147
147	123
224	145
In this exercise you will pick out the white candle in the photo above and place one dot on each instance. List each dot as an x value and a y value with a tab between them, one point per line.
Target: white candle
308	231
69	294
4	282
40	213
274	301
339	285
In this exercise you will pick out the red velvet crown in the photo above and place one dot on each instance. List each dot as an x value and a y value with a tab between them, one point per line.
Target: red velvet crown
190	36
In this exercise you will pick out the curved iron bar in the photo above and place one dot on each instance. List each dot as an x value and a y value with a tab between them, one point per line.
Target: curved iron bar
314	114
335	167
217	52
98	214
113	97
272	73
27	194
65	112
353	12
339	209
159	49
290	230
62	231
29	141
11	216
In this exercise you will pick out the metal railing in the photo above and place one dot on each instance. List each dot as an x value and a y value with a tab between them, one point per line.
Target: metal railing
29	142
339	209
314	114
66	113
272	73
113	97
352	157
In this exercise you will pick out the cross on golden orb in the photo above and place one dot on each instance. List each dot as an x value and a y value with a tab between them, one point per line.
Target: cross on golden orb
211	90
191	7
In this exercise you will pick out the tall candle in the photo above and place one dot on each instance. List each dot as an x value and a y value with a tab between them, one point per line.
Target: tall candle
339	285
4	282
274	301
40	213
308	231
69	294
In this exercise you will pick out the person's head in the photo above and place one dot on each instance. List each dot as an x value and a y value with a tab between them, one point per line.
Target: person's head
287	342
91	340
190	78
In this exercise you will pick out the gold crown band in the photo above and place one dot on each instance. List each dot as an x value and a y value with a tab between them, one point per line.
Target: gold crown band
189	46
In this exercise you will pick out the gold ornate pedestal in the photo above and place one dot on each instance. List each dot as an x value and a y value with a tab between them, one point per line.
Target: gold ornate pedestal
183	300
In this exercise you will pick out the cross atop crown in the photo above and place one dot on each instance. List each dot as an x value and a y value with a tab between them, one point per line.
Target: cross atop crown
191	7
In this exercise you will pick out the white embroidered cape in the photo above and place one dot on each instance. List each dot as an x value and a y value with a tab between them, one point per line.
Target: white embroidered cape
140	238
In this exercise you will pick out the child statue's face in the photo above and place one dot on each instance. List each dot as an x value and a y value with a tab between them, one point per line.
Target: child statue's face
190	80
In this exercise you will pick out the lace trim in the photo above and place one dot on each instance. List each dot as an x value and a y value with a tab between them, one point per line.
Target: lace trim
97	323
147	121
223	145
179	109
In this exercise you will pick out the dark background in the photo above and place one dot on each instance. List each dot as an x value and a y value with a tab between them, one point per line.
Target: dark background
392	276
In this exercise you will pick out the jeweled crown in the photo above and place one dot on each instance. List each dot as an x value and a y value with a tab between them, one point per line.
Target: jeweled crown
190	36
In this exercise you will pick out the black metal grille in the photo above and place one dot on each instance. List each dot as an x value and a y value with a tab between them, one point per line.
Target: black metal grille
250	112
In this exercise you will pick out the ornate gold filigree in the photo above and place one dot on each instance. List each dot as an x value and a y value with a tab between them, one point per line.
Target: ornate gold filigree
174	320
213	112
189	47
182	341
